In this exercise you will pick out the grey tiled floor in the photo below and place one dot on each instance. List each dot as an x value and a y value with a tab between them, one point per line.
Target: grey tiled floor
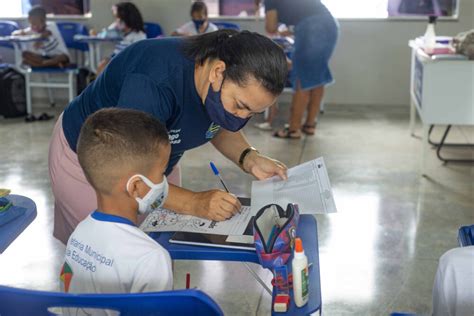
378	254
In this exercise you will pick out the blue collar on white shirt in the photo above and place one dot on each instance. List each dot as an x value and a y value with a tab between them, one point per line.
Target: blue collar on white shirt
111	218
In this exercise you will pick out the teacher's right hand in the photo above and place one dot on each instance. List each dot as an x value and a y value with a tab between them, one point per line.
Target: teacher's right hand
216	205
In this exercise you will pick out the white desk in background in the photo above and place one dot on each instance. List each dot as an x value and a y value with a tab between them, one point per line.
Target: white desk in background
94	42
17	41
441	91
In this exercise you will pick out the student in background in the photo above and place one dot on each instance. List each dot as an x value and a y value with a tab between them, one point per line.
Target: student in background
200	23
128	24
124	154
453	290
51	51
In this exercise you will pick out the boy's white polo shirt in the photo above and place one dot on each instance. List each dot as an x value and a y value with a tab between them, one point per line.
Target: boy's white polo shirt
109	254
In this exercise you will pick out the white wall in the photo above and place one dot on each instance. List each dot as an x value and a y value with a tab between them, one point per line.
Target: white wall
371	62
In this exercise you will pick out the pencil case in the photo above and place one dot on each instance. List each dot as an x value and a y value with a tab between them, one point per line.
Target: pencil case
274	233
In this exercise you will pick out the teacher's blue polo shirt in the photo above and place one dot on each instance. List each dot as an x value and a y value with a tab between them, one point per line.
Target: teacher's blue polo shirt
151	76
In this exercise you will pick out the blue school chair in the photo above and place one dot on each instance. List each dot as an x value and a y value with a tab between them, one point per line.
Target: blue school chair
466	236
7	28
14	301
226	25
153	30
67	30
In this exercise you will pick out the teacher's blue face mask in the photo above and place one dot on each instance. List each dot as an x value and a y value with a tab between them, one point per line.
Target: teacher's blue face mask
219	115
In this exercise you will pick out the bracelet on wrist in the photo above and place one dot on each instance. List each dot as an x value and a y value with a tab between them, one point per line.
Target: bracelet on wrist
244	154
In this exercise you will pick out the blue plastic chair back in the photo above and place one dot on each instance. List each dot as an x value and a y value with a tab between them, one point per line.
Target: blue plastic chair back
226	25
466	236
152	30
6	28
14	301
68	30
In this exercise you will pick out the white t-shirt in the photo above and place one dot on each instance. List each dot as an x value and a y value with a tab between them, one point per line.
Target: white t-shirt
189	28
453	290
129	39
54	45
109	254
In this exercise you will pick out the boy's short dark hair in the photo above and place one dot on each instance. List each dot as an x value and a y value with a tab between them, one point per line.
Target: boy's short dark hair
199	6
37	11
114	142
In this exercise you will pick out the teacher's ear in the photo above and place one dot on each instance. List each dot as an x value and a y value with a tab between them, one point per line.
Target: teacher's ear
216	74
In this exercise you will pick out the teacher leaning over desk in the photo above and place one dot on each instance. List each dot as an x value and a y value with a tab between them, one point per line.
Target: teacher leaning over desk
204	88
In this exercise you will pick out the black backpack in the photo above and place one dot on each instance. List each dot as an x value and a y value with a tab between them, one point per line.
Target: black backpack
12	93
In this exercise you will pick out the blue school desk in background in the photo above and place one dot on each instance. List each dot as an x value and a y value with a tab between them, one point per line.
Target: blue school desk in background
11	230
307	231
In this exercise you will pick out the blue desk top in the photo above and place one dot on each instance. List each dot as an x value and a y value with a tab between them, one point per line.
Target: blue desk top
10	231
307	231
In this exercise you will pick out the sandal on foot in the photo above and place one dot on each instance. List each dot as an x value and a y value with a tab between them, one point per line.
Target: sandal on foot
286	133
309	129
45	117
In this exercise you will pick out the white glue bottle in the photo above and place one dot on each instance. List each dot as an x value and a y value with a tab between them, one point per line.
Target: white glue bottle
430	36
299	268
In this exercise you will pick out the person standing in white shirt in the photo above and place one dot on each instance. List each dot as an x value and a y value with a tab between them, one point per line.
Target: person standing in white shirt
50	51
199	24
124	154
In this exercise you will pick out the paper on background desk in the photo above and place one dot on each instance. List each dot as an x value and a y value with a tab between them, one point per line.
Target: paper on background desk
307	185
164	220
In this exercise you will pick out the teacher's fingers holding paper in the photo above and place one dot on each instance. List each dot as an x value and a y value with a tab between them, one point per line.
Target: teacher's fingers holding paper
264	167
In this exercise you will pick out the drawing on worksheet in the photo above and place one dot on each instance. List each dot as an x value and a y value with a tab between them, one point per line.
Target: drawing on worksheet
164	220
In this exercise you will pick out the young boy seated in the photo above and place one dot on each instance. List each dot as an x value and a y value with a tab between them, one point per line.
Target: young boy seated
199	24
124	154
49	52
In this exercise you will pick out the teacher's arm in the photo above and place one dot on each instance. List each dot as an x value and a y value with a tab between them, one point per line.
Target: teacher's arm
232	145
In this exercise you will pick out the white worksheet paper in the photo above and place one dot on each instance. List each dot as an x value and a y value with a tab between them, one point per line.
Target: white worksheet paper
307	185
164	220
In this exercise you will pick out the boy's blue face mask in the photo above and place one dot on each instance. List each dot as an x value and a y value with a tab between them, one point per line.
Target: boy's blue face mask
198	24
219	115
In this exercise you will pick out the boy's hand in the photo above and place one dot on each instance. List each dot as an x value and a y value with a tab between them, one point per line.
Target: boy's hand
46	34
215	205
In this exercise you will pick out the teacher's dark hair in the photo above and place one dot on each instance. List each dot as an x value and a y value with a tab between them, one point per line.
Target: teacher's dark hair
246	54
130	15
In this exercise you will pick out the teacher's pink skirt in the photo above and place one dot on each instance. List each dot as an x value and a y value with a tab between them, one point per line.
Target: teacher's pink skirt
74	197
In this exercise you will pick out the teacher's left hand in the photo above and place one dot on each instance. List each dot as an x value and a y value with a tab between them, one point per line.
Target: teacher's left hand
263	167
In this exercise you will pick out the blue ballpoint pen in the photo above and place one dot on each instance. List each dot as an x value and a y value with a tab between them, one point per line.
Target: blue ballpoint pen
216	172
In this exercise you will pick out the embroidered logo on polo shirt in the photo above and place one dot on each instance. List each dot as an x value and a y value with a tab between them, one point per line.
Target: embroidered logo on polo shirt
66	276
212	130
173	135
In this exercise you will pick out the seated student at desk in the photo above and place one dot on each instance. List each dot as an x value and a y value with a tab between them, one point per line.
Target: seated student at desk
128	24
199	23
453	290
124	154
51	51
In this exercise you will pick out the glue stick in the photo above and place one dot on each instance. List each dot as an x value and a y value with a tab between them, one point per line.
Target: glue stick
299	267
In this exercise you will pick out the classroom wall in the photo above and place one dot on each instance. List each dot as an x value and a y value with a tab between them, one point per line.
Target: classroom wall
371	63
